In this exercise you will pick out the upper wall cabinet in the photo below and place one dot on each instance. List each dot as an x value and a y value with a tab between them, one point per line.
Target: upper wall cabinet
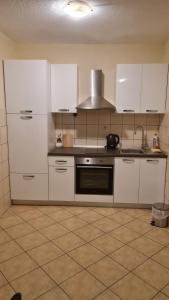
27	86
63	88
141	88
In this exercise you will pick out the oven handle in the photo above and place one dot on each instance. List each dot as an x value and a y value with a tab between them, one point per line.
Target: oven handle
93	167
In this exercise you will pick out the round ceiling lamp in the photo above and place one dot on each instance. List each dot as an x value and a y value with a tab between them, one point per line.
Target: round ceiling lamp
78	8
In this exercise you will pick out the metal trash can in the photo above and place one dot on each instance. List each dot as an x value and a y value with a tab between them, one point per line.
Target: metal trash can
160	215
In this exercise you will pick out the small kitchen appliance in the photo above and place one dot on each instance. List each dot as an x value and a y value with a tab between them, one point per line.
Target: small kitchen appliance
112	141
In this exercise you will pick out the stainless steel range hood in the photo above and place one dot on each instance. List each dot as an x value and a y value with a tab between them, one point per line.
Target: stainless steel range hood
96	100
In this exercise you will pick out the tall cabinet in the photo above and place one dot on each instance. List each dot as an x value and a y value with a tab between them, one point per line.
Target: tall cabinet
27	87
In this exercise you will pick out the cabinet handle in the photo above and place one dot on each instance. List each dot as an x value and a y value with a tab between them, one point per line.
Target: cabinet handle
156	161
26	117
128	161
60	170
28	177
128	110
26	111
63	109
152	110
60	161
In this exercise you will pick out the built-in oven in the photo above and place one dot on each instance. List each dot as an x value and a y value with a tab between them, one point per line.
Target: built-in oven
94	175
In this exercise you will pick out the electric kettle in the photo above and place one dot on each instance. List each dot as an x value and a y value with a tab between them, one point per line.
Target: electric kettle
112	141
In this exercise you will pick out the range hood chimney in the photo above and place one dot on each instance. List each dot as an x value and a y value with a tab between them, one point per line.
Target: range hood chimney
96	100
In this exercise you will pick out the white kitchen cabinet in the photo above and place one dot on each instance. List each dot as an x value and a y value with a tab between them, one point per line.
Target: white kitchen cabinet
154	88
141	88
27	138
63	88
126	182
128	88
29	186
27	86
152	180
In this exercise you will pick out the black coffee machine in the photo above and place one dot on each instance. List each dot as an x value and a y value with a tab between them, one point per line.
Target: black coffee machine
112	141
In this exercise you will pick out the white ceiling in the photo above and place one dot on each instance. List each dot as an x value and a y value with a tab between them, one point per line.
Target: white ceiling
112	21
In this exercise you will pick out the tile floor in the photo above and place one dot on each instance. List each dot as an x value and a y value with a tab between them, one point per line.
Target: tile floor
82	253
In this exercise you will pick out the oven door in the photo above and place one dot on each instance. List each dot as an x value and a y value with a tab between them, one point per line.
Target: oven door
94	180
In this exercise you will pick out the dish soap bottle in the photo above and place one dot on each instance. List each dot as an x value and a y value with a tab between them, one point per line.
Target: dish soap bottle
156	142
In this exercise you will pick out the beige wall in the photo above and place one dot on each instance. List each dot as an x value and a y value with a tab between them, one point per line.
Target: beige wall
7	50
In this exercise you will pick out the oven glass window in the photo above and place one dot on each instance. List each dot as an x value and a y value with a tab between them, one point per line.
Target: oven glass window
94	180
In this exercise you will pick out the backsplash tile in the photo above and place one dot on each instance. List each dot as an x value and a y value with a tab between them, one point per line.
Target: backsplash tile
91	127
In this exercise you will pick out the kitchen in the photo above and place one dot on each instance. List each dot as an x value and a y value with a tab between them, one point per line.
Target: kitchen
48	183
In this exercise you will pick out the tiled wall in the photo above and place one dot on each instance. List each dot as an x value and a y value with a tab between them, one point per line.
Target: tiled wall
90	128
4	170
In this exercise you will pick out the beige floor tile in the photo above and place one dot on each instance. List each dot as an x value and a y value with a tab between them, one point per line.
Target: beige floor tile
153	273
128	257
107	211
106	224
166	290
33	284
139	226
54	294
83	286
159	235
121	218
162	257
107	271
54	231
3	281
107	295
45	253
17	266
74	210
19	230
90	216
136	213
160	296
124	234
30	214
62	268
8	250
60	215
8	213
49	209
6	292
88	232
4	237
31	240
86	255
17	209
69	242
41	222
133	288
146	246
107	243
73	223
10	221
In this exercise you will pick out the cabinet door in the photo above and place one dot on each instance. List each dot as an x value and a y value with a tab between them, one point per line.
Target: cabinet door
154	88
128	88
126	183
27	136
152	180
26	86
64	88
29	186
61	183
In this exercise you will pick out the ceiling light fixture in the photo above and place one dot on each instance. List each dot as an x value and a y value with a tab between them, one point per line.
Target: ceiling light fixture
78	8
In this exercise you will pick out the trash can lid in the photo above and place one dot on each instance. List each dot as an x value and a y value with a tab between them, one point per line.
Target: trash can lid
161	206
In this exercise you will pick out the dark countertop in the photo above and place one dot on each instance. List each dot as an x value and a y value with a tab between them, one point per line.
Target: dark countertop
92	152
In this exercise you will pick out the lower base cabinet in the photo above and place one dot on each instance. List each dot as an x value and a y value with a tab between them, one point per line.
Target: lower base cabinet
139	180
29	186
61	183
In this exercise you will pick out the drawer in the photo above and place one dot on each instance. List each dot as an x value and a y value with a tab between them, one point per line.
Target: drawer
61	161
29	186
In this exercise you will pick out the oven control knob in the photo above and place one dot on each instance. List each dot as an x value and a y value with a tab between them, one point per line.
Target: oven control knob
87	160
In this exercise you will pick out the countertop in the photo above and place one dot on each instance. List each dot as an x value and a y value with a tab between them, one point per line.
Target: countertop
92	152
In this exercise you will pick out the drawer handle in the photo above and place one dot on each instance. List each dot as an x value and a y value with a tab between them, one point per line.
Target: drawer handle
128	110
28	177
63	109
26	111
155	161
60	161
152	110
26	117
60	170
128	161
